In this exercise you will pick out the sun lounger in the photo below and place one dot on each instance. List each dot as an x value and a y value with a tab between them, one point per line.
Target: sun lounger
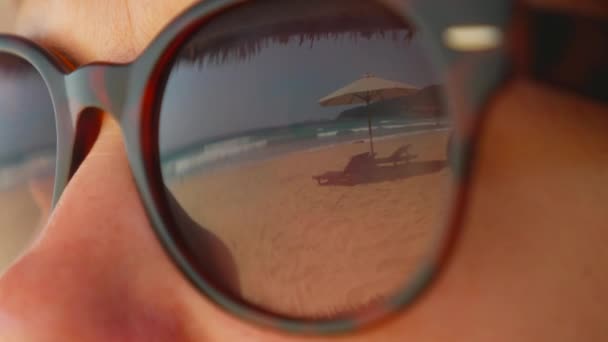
357	168
401	155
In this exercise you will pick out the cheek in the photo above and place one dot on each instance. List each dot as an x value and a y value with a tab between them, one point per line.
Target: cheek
531	260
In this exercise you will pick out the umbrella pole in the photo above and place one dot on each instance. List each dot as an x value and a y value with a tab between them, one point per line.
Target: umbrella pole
369	127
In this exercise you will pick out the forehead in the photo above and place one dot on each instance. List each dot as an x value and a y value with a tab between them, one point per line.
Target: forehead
108	30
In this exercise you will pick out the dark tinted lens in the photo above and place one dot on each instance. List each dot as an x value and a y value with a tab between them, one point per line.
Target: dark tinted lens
304	143
27	155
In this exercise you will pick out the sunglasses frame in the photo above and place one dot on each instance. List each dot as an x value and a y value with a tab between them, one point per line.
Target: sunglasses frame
131	94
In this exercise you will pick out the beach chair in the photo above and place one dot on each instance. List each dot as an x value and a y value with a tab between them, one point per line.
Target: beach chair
356	170
402	154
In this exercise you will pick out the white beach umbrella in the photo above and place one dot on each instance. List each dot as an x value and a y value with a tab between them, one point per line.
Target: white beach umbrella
366	90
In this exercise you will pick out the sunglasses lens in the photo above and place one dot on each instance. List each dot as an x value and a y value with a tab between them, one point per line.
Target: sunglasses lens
27	155
303	146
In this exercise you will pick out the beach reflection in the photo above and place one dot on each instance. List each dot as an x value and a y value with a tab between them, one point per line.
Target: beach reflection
310	250
27	156
312	218
26	205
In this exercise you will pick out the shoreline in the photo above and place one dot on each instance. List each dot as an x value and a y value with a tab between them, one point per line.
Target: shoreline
183	167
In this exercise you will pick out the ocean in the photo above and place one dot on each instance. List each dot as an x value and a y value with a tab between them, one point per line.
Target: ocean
273	142
20	170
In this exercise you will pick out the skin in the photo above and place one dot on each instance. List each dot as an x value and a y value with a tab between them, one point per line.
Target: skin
530	264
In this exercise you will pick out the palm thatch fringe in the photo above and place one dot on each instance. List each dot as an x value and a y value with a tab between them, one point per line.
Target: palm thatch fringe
241	34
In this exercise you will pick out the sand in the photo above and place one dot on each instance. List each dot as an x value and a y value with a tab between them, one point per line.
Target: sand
309	250
19	220
25	207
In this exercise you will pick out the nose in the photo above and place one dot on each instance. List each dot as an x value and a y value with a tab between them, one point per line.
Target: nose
97	271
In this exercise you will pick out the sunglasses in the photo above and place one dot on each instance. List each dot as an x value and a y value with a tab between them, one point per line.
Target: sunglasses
305	164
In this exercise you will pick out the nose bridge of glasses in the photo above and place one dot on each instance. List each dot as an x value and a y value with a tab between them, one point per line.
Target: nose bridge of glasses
99	86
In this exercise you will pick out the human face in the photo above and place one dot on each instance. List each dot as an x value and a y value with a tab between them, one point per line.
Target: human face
529	265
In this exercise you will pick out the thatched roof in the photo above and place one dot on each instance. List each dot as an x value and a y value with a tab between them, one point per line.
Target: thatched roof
242	33
11	65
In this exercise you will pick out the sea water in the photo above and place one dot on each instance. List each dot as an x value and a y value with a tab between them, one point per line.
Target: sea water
273	142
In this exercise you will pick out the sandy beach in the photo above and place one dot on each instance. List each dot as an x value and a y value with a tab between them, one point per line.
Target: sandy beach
312	250
19	219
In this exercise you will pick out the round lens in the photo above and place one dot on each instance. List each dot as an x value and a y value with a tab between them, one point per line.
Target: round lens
303	145
27	155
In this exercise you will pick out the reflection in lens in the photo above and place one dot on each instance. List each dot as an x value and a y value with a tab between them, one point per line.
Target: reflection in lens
265	144
27	155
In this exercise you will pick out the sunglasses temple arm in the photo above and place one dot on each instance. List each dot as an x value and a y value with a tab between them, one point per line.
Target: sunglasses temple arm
564	50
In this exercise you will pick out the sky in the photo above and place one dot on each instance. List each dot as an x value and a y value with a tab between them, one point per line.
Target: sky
281	85
27	121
